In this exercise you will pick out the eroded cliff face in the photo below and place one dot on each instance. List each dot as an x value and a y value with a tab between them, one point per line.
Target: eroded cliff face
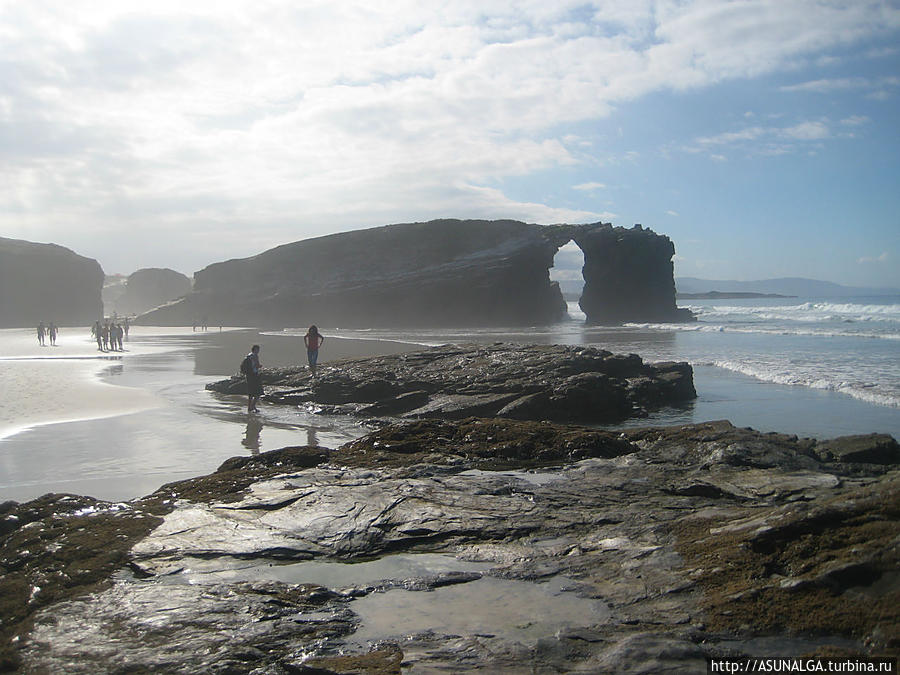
46	282
439	273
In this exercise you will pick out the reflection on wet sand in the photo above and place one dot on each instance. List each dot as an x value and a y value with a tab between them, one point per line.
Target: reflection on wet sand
251	434
252	431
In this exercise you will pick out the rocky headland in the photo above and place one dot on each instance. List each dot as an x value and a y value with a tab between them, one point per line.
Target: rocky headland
493	544
146	289
440	273
46	282
538	382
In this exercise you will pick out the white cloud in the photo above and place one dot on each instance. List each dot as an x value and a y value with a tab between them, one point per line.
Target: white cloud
765	140
807	131
298	119
883	258
825	86
589	187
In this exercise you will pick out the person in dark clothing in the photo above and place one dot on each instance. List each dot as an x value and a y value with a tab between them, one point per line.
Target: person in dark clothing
254	379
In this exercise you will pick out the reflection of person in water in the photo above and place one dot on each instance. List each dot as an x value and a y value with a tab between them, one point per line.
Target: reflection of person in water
251	435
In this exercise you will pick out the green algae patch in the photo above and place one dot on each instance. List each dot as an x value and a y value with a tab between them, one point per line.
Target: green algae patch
55	548
383	661
829	568
484	443
234	476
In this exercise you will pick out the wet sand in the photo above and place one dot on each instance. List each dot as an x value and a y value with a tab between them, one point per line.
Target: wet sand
119	425
48	385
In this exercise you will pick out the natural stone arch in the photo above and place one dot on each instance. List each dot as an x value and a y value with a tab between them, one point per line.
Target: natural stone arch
439	273
628	273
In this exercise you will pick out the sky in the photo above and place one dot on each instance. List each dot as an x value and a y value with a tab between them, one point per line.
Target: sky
761	136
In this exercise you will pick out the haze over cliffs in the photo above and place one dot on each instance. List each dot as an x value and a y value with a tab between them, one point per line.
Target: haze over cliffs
46	282
439	273
144	290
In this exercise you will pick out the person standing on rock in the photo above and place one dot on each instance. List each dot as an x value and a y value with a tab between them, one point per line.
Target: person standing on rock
250	367
313	340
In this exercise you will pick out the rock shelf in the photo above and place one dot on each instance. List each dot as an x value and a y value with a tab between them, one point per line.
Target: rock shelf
669	544
528	382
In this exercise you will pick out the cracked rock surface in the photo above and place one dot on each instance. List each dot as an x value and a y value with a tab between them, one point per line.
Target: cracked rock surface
479	544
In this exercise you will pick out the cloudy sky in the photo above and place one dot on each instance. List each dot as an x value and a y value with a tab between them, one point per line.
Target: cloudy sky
762	136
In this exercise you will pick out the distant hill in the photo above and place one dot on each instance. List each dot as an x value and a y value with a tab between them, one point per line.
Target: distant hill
786	286
144	290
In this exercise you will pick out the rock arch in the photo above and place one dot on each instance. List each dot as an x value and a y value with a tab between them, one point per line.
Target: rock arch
628	275
439	273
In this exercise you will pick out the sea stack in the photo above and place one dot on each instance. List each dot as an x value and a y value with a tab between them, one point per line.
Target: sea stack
629	276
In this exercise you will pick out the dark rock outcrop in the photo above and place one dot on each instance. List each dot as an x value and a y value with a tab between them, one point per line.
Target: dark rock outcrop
149	288
478	545
537	382
440	273
437	273
629	276
46	282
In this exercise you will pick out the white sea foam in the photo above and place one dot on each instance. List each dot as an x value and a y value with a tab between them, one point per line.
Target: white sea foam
812	312
868	392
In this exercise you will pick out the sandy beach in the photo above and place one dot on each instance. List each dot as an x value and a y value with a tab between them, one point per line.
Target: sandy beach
62	383
118	425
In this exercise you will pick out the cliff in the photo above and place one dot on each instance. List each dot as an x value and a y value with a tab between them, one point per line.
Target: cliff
46	282
149	288
439	273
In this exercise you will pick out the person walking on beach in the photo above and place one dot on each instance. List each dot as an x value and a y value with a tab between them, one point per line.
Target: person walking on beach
53	331
313	340
250	367
98	335
41	331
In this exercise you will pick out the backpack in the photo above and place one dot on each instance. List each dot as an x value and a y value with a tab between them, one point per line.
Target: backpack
246	365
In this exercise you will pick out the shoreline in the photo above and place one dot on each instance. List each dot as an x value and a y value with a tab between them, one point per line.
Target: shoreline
128	424
182	433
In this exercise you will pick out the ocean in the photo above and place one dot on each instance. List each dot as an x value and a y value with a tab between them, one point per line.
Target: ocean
846	351
117	426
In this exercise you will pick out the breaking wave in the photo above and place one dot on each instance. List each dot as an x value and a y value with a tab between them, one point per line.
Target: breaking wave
870	392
